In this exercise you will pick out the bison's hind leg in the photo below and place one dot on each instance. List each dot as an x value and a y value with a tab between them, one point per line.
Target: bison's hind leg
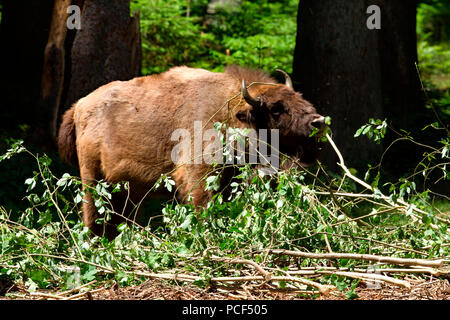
89	178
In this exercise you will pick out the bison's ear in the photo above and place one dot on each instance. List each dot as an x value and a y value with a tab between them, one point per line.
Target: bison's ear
244	116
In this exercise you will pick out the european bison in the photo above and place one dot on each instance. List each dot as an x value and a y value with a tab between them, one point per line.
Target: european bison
122	131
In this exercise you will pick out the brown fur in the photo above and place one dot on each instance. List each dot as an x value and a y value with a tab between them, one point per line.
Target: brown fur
250	75
66	139
123	129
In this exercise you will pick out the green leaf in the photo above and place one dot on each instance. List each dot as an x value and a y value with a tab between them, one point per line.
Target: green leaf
89	275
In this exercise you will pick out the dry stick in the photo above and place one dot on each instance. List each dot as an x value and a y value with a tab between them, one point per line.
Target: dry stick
367	257
341	163
315	270
76	289
389	245
356	275
325	235
62	297
46	295
369	276
365	216
323	289
86	293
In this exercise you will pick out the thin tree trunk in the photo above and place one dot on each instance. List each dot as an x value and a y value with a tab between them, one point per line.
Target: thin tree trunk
403	100
352	73
54	68
23	36
337	67
106	48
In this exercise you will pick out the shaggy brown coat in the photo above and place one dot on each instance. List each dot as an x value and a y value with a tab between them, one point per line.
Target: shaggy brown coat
122	131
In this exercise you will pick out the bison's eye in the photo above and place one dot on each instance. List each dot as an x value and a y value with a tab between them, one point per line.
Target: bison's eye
277	110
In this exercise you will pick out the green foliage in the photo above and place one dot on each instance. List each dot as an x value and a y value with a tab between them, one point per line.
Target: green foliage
435	63
433	18
169	38
48	247
433	33
43	244
258	34
375	129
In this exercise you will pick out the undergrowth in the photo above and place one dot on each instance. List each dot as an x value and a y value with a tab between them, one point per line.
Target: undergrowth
307	211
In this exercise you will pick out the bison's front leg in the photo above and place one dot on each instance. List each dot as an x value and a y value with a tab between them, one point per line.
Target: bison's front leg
90	213
121	206
191	183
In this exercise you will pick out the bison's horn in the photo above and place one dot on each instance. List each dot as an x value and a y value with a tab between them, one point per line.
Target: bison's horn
288	79
248	98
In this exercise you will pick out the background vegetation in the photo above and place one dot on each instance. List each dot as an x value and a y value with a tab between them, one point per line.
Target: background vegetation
259	34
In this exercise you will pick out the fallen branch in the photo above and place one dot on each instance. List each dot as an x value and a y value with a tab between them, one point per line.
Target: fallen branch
323	289
367	257
369	276
265	274
46	295
341	163
61	296
64	293
317	270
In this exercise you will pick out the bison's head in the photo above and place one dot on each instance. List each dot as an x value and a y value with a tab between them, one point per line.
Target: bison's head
280	107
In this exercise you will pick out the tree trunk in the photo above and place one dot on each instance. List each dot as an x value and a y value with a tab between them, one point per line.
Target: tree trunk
352	73
46	67
53	75
403	99
23	36
107	47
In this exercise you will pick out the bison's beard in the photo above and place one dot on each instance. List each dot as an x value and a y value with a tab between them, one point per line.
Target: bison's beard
302	154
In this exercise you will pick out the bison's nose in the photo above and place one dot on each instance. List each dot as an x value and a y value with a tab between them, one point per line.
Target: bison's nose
318	123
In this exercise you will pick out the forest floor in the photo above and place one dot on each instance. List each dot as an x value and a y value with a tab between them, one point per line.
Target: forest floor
431	289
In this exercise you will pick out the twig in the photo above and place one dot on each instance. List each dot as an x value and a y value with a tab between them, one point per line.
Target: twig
355	256
46	295
88	294
323	289
77	288
265	274
317	270
60	296
341	163
369	276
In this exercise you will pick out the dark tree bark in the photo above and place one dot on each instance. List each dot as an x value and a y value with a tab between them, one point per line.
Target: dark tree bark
352	73
23	37
106	48
54	70
46	66
403	99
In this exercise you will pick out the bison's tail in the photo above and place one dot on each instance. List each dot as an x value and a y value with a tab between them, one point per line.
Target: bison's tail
66	138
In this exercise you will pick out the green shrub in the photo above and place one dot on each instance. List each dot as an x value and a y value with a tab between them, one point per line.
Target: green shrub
257	34
310	210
